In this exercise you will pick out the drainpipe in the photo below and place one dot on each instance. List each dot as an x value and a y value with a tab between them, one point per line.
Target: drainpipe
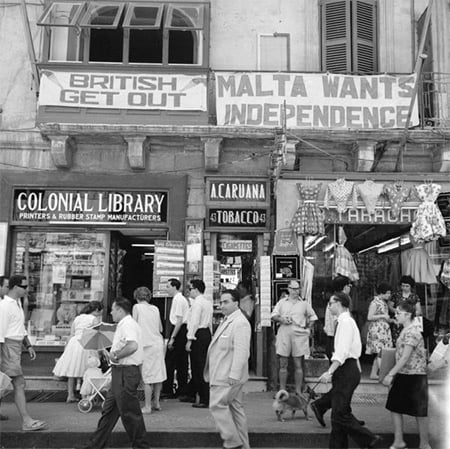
30	46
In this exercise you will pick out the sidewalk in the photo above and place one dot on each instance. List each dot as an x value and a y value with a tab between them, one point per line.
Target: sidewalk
180	425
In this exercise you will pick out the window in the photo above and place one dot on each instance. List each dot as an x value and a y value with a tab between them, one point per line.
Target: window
126	33
349	35
273	52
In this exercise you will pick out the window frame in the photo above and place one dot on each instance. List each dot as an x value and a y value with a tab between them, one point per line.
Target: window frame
73	23
130	8
287	36
202	48
91	7
351	41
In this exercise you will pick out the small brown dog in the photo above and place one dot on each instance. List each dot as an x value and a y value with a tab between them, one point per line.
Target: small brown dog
293	402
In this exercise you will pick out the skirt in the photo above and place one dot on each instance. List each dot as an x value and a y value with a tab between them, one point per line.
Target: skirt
408	395
73	361
154	366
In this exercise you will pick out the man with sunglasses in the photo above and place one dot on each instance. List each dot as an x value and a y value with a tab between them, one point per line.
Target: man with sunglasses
296	318
12	336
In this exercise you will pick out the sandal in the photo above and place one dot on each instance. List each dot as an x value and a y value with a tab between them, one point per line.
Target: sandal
35	425
146	411
398	447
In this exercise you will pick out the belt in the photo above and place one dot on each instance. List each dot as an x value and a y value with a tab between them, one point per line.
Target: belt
124	366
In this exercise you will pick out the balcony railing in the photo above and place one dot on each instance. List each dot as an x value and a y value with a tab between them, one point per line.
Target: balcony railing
434	100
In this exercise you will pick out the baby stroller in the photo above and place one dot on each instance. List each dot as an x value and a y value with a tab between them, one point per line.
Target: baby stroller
99	386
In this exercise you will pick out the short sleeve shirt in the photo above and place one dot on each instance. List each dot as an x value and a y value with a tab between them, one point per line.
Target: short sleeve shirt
299	311
417	362
128	330
180	308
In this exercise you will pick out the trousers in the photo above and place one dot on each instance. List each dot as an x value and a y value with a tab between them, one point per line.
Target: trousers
226	408
343	424
177	359
199	351
121	401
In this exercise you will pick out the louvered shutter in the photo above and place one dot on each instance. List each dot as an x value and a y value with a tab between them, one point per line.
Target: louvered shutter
364	36
336	35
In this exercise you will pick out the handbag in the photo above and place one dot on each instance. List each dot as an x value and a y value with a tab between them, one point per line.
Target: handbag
387	362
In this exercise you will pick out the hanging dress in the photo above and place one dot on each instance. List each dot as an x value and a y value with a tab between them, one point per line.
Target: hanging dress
378	331
370	192
429	223
397	193
444	275
341	191
309	219
418	264
343	260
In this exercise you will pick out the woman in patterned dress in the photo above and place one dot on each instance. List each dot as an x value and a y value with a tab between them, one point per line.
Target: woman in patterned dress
408	393
407	283
379	332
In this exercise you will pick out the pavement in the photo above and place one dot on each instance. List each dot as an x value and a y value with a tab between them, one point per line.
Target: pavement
179	425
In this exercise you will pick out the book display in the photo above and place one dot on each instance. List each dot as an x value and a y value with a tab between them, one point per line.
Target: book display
64	271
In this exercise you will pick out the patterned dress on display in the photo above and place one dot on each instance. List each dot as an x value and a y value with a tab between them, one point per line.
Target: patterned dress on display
340	191
397	194
379	331
309	219
370	192
429	223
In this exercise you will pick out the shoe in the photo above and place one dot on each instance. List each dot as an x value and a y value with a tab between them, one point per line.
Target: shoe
35	425
3	417
71	400
234	447
186	398
374	441
398	447
318	414
200	405
146	410
167	396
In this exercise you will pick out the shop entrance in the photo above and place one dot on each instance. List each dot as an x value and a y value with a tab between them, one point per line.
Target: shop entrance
131	261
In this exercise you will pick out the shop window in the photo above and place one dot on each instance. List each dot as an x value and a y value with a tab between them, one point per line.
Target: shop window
135	33
65	271
349	35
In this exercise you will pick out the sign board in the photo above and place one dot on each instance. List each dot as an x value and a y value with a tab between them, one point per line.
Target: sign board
107	90
238	191
168	263
240	218
321	100
236	246
81	206
285	242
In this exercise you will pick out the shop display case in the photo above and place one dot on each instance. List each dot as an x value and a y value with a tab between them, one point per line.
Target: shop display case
64	271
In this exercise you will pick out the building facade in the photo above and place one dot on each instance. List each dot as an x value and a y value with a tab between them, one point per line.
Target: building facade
124	125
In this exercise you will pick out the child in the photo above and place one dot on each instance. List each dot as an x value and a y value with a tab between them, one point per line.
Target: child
92	371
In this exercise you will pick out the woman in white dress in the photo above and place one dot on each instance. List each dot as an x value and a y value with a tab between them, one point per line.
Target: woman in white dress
72	362
153	367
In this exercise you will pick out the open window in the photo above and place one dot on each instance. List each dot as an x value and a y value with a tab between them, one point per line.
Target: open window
126	33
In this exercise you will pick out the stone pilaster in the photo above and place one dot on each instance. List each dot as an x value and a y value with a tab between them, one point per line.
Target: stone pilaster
289	156
136	147
61	149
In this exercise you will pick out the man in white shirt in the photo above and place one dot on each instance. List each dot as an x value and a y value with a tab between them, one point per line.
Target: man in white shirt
126	357
199	327
4	287
13	336
176	356
345	374
226	371
296	318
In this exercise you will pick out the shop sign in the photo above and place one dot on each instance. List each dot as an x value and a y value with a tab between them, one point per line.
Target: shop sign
322	100
285	242
238	246
254	191
360	215
75	89
89	206
168	263
241	218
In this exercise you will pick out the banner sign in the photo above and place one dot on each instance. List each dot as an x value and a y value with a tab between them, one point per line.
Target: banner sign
89	206
237	191
241	218
168	263
314	100
172	92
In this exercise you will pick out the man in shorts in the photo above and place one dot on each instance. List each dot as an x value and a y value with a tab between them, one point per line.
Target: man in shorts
12	336
296	318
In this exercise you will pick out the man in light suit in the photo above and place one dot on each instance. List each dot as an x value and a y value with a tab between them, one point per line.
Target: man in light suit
226	371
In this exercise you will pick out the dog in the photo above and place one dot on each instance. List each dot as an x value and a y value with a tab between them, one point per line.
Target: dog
285	401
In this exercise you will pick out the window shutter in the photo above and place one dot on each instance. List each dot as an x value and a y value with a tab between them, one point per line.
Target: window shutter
336	35
364	36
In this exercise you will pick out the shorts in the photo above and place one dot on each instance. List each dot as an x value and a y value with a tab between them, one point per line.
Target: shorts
289	343
11	358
